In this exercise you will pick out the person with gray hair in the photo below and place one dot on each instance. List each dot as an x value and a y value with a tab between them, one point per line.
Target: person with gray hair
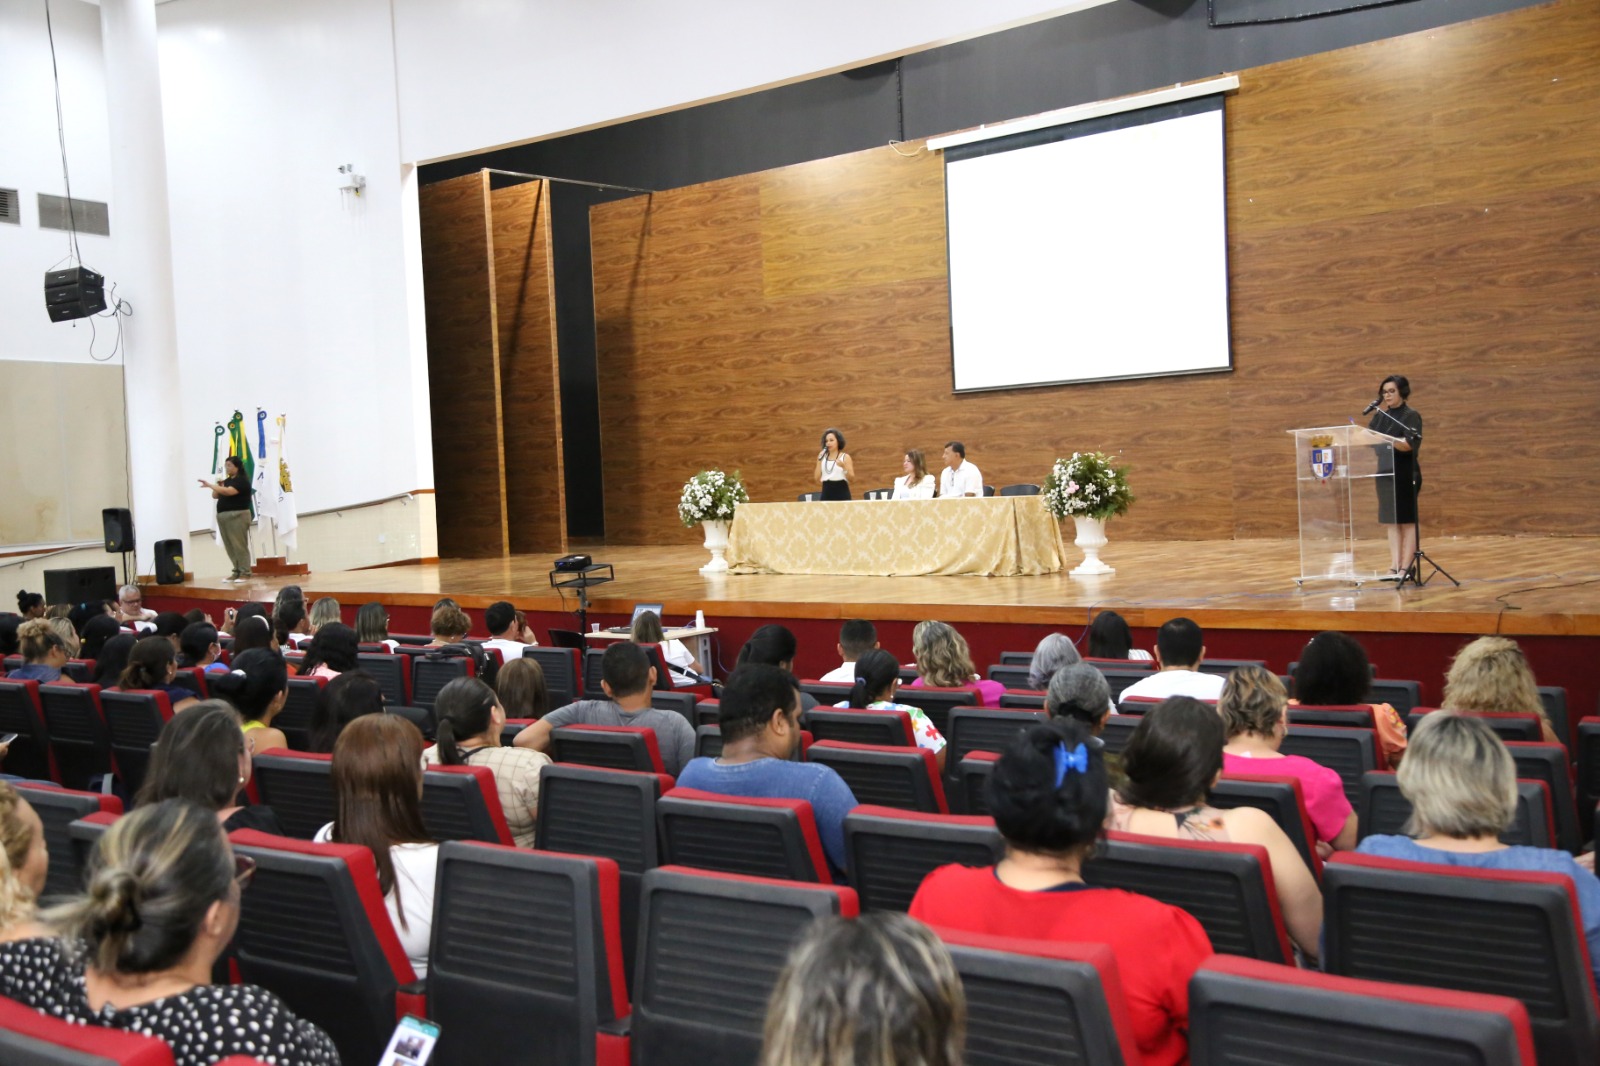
1079	692
1053	652
1462	784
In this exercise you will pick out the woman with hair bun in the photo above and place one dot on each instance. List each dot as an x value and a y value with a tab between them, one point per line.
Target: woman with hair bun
470	722
137	949
1048	795
44	653
257	687
30	605
152	664
1079	692
877	681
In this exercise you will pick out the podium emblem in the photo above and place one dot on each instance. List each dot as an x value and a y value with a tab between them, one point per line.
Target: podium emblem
1322	462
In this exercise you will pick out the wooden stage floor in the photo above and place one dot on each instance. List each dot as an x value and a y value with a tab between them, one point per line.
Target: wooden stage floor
1548	586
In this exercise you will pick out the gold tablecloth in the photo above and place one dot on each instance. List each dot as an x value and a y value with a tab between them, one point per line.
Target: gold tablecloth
993	536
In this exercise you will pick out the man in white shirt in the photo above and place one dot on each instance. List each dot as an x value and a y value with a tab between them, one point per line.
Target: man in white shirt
959	477
1180	647
856	637
501	618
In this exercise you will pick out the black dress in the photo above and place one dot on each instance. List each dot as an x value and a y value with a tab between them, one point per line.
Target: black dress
1397	501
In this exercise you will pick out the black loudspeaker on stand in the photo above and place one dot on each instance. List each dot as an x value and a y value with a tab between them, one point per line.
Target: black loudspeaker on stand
169	562
118	522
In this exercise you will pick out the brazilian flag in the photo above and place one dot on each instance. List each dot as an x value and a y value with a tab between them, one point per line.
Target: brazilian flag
239	445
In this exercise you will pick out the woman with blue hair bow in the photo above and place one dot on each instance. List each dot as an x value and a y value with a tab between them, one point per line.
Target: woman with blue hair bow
1049	797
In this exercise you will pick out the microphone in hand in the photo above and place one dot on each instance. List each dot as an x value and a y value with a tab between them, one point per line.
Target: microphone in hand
1371	407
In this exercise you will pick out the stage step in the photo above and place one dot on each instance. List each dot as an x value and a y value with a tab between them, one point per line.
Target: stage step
278	566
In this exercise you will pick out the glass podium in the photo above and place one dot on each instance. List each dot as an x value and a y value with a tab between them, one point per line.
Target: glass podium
1342	472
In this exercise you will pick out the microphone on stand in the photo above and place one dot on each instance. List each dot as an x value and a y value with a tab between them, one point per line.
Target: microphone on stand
1371	407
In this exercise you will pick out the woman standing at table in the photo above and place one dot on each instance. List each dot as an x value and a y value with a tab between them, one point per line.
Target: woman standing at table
917	484
1399	510
834	466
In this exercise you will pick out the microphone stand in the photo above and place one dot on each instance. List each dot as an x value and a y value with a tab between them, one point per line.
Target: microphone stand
1413	573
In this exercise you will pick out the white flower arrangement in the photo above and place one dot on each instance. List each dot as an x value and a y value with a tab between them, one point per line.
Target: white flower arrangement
1087	485
711	496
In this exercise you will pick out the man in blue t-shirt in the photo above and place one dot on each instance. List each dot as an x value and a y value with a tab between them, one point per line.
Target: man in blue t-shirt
760	720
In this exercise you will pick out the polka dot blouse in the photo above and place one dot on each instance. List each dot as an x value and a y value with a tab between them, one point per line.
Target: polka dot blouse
203	1025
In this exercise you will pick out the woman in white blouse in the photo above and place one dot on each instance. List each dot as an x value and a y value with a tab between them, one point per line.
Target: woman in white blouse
917	484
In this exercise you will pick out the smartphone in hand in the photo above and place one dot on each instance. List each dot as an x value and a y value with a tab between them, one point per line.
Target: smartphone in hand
412	1043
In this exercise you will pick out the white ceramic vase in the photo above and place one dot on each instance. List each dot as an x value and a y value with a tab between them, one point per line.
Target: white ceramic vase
1091	538
716	531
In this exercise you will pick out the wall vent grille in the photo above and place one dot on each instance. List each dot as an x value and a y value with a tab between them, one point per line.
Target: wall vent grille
10	207
89	216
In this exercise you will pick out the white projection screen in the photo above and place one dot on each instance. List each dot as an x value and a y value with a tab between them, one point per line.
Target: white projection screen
1091	251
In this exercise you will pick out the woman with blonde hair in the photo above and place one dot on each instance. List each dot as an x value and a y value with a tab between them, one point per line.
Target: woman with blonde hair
1491	676
26	864
916	483
44	653
944	662
324	609
878	990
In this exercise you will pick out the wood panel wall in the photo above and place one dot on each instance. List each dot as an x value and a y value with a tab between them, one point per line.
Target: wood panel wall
1424	205
530	377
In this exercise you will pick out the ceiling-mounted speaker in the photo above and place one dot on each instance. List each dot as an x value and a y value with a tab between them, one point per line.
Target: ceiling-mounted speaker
75	293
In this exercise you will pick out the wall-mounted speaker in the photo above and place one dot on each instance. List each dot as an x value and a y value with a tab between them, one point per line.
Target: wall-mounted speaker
169	562
118	523
75	293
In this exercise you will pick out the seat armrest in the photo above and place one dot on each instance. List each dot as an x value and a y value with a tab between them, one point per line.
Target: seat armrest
617	1026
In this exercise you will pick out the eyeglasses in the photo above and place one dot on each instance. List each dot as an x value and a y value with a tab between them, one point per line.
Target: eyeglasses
244	869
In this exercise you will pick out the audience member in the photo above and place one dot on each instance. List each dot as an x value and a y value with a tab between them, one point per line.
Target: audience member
372	625
44	653
138	948
332	650
878	990
58	610
521	687
112	660
1110	638
26	865
1170	763
324	609
760	720
1334	672
377	790
340	702
201	757
959	477
449	625
152	664
874	687
1490	676
1048	796
627	679
257	687
507	634
1080	693
68	635
446	602
290	624
1180	648
197	646
774	645
170	624
944	662
1054	651
97	629
190	617
647	630
130	605
470	724
30	605
1255	719
252	631
1462	784
856	637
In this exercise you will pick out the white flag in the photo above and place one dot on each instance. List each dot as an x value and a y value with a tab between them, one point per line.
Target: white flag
265	487
285	515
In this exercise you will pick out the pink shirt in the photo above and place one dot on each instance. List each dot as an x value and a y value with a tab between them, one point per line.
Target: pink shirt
988	692
1322	788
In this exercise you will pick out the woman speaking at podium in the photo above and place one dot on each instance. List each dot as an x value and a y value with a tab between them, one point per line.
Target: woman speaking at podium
834	467
1398	510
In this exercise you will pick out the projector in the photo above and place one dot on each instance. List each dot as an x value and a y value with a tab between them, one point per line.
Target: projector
573	562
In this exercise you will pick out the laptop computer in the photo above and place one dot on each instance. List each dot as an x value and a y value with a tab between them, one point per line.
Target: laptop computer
638	609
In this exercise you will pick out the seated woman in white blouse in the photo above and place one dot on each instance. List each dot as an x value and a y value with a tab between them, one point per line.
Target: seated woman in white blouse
917	484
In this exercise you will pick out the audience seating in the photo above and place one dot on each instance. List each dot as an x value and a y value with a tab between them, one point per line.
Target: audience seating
58	808
134	721
1120	678
591	674
937	703
890	851
1023	489
391	672
313	929
31	1038
1034	1001
1588	759
568	638
421	717
739	835
1139	706
1144	666
891	728
1283	799
1224	667
1025	701
295	718
711	949
1506	726
77	730
1011	676
1385	811
1498	932
563	672
983	729
1401	695
30	754
1351	716
683	702
589	810
463	803
1227	887
1554	698
620	747
707	741
192	678
706	712
12	662
298	786
974	773
1243	1012
1348	752
547	990
429	675
1117	732
1016	658
1540	761
826	693
84	833
888	776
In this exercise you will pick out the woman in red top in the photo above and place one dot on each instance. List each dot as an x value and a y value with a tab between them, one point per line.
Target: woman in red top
1048	794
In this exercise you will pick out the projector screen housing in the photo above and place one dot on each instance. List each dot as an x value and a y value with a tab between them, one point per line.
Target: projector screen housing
1090	251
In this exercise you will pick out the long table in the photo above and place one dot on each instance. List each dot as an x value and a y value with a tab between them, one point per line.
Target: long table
993	536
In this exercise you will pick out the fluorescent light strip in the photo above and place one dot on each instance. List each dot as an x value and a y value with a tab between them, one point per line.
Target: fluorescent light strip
1087	111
